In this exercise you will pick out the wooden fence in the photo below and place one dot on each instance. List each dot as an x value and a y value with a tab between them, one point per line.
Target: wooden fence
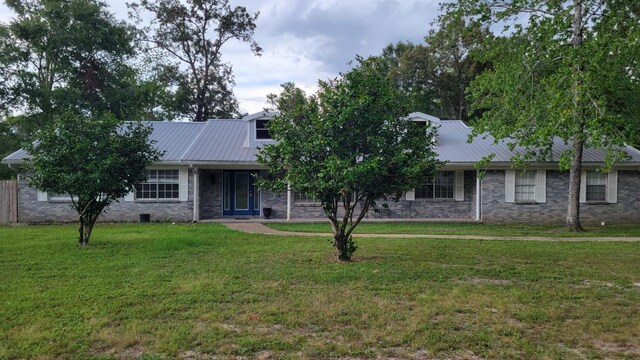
8	201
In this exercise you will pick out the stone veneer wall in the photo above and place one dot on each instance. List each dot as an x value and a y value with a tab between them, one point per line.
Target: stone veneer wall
554	210
449	208
421	208
30	210
210	194
494	208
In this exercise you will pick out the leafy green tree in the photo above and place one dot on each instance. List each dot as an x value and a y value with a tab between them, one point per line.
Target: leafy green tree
450	66
406	65
8	143
58	56
347	146
194	34
95	160
435	75
564	69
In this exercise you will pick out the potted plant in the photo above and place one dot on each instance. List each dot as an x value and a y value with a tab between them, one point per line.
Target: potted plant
266	212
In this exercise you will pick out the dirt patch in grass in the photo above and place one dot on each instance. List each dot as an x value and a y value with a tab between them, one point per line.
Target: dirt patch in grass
486	281
611	348
398	353
129	353
195	355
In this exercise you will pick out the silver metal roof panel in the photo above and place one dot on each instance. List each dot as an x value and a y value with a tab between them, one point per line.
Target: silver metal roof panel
221	141
452	146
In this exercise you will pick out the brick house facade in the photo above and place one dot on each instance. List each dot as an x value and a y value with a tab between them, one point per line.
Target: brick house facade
206	173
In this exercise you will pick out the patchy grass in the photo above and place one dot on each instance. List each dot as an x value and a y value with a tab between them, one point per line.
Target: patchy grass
442	228
190	291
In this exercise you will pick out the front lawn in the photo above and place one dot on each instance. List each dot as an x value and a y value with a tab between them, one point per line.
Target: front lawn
481	229
191	291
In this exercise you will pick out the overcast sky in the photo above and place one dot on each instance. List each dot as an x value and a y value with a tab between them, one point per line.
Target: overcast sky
304	41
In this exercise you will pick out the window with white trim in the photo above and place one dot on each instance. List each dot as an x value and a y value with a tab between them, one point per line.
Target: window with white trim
440	186
262	131
160	185
300	197
60	197
525	186
596	186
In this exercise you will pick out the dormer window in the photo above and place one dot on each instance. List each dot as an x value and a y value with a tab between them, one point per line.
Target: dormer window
262	132
421	123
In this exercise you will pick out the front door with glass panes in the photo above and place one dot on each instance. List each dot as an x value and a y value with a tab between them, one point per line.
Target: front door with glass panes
240	195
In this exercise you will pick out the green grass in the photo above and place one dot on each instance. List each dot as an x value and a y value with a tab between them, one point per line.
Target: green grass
442	228
166	291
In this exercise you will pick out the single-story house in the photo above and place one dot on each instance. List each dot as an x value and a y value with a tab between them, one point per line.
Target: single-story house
207	173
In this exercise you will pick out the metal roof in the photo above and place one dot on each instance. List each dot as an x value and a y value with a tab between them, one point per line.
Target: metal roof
220	141
452	146
15	157
174	138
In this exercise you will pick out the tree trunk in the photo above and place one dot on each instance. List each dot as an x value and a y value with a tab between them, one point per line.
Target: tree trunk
341	247
87	231
81	233
573	207
575	175
201	106
199	111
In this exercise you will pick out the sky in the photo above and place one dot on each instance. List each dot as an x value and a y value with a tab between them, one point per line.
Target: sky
304	41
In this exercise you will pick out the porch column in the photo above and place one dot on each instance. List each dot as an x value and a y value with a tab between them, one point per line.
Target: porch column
478	197
288	202
196	193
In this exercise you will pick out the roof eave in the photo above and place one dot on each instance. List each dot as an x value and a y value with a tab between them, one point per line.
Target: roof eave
502	165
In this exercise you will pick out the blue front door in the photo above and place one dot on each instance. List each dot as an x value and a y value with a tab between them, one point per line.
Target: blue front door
240	196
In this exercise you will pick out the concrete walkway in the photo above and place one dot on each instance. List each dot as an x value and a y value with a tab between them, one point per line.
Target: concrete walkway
258	228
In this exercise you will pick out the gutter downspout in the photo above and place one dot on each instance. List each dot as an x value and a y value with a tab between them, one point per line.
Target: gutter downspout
478	196
196	202
288	202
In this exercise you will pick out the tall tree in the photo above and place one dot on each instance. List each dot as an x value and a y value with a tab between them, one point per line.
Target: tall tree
94	160
193	34
436	74
448	50
566	69
8	143
347	146
407	64
60	55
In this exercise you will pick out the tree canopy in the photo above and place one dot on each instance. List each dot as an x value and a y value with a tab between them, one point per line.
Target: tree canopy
193	34
94	160
435	75
59	56
567	70
348	145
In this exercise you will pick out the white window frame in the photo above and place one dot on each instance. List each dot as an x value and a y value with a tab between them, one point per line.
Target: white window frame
60	197
265	128
525	180
158	183
540	189
433	183
611	187
599	179
458	189
301	198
